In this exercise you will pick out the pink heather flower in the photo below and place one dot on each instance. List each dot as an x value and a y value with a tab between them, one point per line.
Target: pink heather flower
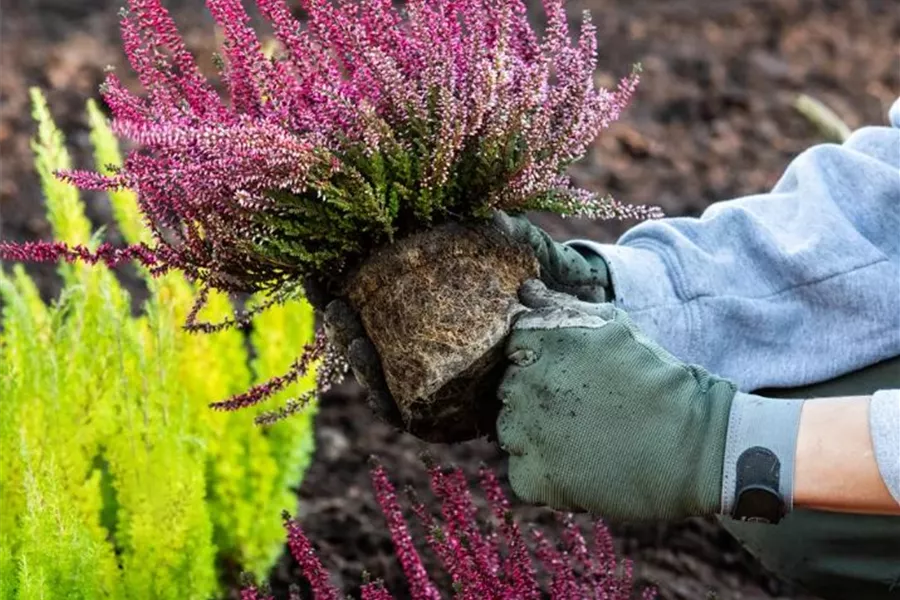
302	551
370	123
477	551
519	571
375	591
450	86
251	592
499	567
420	585
260	392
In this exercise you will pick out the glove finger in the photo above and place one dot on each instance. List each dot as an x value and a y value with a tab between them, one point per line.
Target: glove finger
573	273
559	264
523	231
535	294
563	268
512	227
342	325
366	365
523	346
525	480
385	408
510	434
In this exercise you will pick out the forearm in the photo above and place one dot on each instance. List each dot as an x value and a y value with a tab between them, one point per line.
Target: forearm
835	466
838	454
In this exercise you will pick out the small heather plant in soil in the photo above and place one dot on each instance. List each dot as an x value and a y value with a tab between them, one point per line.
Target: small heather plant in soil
487	559
371	125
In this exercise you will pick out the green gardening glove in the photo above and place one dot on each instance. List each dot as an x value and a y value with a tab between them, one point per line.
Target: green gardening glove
597	417
563	268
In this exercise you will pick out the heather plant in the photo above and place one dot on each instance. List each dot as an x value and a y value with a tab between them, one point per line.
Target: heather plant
117	480
370	123
487	559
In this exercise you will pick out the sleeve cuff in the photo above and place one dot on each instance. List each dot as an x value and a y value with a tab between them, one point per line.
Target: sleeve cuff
641	278
761	423
884	424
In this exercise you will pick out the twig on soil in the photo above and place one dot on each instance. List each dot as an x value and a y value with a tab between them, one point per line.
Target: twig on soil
825	120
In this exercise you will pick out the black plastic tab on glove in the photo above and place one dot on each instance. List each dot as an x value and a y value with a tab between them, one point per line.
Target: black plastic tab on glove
758	478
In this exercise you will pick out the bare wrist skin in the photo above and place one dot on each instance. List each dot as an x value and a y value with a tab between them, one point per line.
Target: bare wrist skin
835	467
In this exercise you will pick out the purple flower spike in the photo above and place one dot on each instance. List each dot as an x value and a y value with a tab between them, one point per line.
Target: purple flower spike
302	551
420	585
575	569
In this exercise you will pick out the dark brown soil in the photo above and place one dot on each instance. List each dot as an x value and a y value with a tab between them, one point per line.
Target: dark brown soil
713	120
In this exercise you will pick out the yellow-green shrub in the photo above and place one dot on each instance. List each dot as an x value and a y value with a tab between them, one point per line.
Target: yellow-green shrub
117	479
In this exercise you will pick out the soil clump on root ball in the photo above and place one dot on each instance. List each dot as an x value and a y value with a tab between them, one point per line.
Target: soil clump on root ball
438	306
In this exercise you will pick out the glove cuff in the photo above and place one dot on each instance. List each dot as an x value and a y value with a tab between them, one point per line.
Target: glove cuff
760	446
597	264
641	278
580	272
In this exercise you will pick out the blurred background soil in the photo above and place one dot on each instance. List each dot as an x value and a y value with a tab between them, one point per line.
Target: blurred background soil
712	120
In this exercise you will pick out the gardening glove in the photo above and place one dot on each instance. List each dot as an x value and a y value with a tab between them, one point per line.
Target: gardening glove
346	333
563	268
597	417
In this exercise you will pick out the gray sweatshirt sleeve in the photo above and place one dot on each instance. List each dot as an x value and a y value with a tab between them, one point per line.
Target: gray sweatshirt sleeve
784	289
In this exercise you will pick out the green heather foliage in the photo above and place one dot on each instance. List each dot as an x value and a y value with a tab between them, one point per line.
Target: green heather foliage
117	479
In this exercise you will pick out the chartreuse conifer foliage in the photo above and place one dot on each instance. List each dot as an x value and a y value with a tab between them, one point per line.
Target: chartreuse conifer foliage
117	479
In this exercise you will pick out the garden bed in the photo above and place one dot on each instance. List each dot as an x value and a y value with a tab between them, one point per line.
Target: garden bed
712	120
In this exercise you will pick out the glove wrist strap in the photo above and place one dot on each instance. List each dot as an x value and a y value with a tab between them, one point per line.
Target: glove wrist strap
758	470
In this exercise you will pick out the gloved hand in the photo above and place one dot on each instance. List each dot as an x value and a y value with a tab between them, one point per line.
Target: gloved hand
563	269
597	417
346	333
